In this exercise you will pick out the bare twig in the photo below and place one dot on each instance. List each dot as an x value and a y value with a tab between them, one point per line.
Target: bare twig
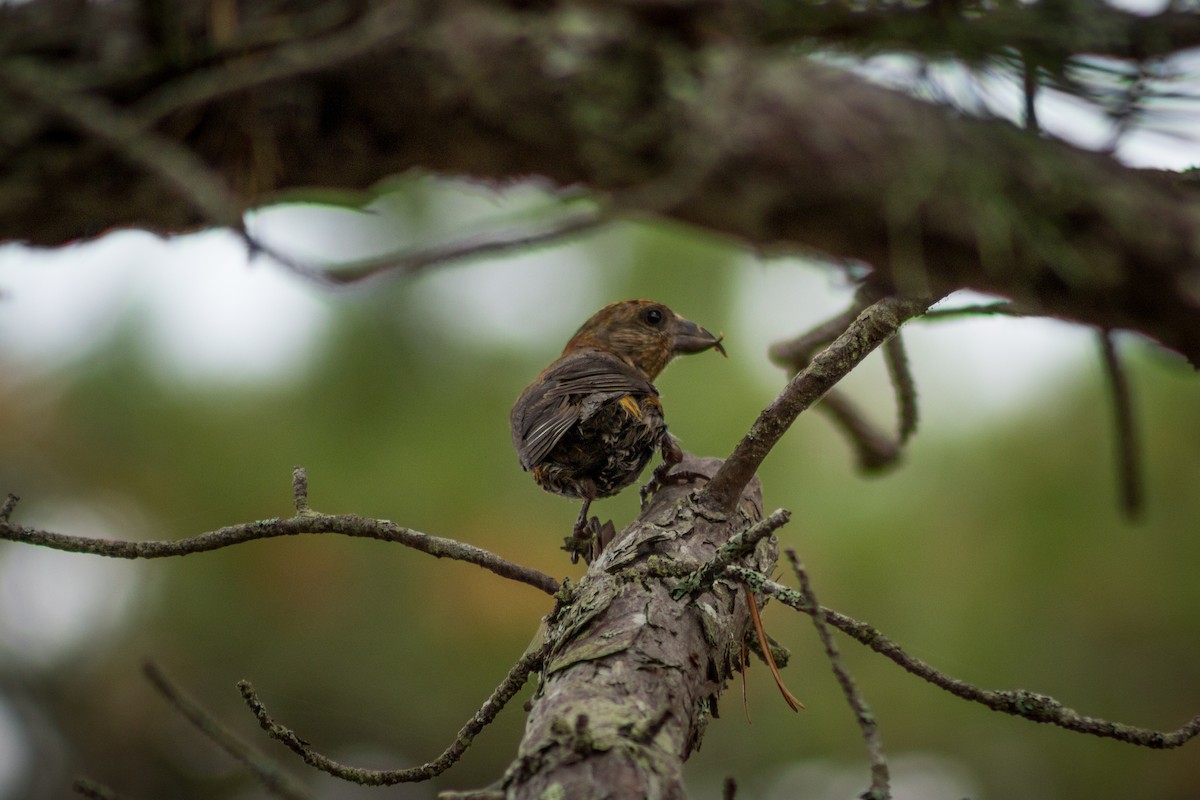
300	489
1030	85
508	688
880	788
407	262
304	522
6	509
269	774
905	388
1018	702
872	327
875	450
1129	469
308	523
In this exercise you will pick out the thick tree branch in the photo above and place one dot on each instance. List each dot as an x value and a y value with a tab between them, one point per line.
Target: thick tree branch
756	142
634	675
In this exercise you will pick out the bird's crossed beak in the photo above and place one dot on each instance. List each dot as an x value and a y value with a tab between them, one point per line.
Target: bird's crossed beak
688	337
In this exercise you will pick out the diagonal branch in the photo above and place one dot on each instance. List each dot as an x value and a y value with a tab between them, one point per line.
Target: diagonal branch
872	328
408	262
167	160
508	688
880	780
275	780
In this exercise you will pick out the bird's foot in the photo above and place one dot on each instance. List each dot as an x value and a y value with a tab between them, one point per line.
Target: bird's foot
662	476
589	539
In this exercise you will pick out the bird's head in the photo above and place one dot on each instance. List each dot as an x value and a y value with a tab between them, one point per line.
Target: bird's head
643	333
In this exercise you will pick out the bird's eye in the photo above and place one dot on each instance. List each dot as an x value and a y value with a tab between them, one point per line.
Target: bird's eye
653	316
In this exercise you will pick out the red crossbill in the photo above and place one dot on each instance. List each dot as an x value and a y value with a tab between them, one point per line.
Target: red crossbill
591	420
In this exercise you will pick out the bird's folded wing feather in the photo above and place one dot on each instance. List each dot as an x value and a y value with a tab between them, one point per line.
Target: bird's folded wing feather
540	420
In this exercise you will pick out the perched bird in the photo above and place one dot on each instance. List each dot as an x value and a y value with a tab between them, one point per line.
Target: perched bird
591	420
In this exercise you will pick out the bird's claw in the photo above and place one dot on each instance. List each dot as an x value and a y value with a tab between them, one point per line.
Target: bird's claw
662	476
589	539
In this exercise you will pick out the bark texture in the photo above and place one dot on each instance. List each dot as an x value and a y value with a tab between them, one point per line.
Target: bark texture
171	117
634	674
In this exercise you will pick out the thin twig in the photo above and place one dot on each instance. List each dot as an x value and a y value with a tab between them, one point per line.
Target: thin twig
469	248
905	387
872	327
508	688
300	490
738	546
308	523
1129	468
6	509
880	788
269	774
305	521
875	450
1030	84
1018	702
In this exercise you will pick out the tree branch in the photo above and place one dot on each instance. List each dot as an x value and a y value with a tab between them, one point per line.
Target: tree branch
880	788
508	688
808	157
1018	702
305	522
275	780
1129	468
872	328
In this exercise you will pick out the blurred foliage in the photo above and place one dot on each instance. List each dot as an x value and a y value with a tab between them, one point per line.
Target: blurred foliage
997	554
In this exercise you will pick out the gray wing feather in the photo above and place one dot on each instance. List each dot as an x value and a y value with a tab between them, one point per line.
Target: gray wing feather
539	423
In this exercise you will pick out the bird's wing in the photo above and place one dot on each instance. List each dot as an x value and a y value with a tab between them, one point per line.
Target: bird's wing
552	404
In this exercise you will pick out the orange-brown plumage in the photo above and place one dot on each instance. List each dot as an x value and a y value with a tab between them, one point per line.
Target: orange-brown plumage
589	423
